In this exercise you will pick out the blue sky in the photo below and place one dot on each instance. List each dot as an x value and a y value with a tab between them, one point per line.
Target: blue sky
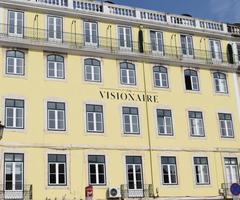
219	10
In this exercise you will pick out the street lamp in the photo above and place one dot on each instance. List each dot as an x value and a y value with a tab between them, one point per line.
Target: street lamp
1	130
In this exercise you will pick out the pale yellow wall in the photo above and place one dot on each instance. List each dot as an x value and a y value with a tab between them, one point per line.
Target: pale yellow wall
36	89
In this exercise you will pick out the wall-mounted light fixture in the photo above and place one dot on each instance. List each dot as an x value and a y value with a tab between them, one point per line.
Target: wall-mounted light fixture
1	130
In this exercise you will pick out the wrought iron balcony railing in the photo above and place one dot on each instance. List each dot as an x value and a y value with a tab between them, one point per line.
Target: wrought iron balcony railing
78	41
144	191
21	192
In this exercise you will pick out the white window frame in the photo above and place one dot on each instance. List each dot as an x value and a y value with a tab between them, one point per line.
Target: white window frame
92	69
15	63
91	42
216	50
96	166
131	116
202	173
125	47
157	41
222	84
14	117
169	173
54	38
189	44
94	115
57	174
16	26
231	168
56	120
195	128
56	67
226	128
128	76
160	78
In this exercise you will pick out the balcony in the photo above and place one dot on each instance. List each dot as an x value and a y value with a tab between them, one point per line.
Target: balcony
128	12
145	192
23	194
36	38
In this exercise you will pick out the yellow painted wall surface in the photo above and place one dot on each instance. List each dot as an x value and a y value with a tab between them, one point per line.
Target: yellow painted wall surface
36	90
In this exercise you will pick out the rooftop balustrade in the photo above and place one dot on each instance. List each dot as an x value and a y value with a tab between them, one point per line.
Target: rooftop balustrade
141	14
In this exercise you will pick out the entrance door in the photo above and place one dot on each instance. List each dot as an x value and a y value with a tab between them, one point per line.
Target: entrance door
13	176
134	176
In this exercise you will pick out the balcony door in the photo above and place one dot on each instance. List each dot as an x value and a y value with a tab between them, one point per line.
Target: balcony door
187	46
125	37
13	176
91	33
134	176
216	50
15	23
55	28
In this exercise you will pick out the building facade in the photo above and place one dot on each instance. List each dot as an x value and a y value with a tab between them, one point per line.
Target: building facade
136	103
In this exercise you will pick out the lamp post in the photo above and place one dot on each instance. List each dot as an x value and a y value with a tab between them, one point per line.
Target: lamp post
1	130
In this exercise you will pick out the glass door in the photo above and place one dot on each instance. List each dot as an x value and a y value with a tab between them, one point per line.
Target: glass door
13	176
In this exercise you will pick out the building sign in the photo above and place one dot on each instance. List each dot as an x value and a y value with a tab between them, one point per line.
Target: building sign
128	96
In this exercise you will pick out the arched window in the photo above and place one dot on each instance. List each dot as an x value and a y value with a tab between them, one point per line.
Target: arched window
55	65
15	62
220	81
191	80
127	73
160	76
92	68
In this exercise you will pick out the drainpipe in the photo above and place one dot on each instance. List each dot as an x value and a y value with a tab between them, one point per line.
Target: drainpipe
148	127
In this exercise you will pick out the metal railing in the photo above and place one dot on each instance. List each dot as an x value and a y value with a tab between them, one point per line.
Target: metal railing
81	41
22	194
145	191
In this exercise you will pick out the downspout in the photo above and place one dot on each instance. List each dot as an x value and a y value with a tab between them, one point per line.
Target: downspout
148	127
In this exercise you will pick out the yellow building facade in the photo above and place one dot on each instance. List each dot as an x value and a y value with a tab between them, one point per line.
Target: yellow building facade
136	103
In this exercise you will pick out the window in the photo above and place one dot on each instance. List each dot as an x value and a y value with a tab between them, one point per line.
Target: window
15	62
231	170
95	118
130	120
56	116
125	37
15	23
14	113
13	175
160	77
201	170
187	45
91	33
191	80
55	64
157	41
134	176
127	73
97	170
92	70
169	170
196	124
164	120
57	170
220	81
226	125
216	49
55	28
